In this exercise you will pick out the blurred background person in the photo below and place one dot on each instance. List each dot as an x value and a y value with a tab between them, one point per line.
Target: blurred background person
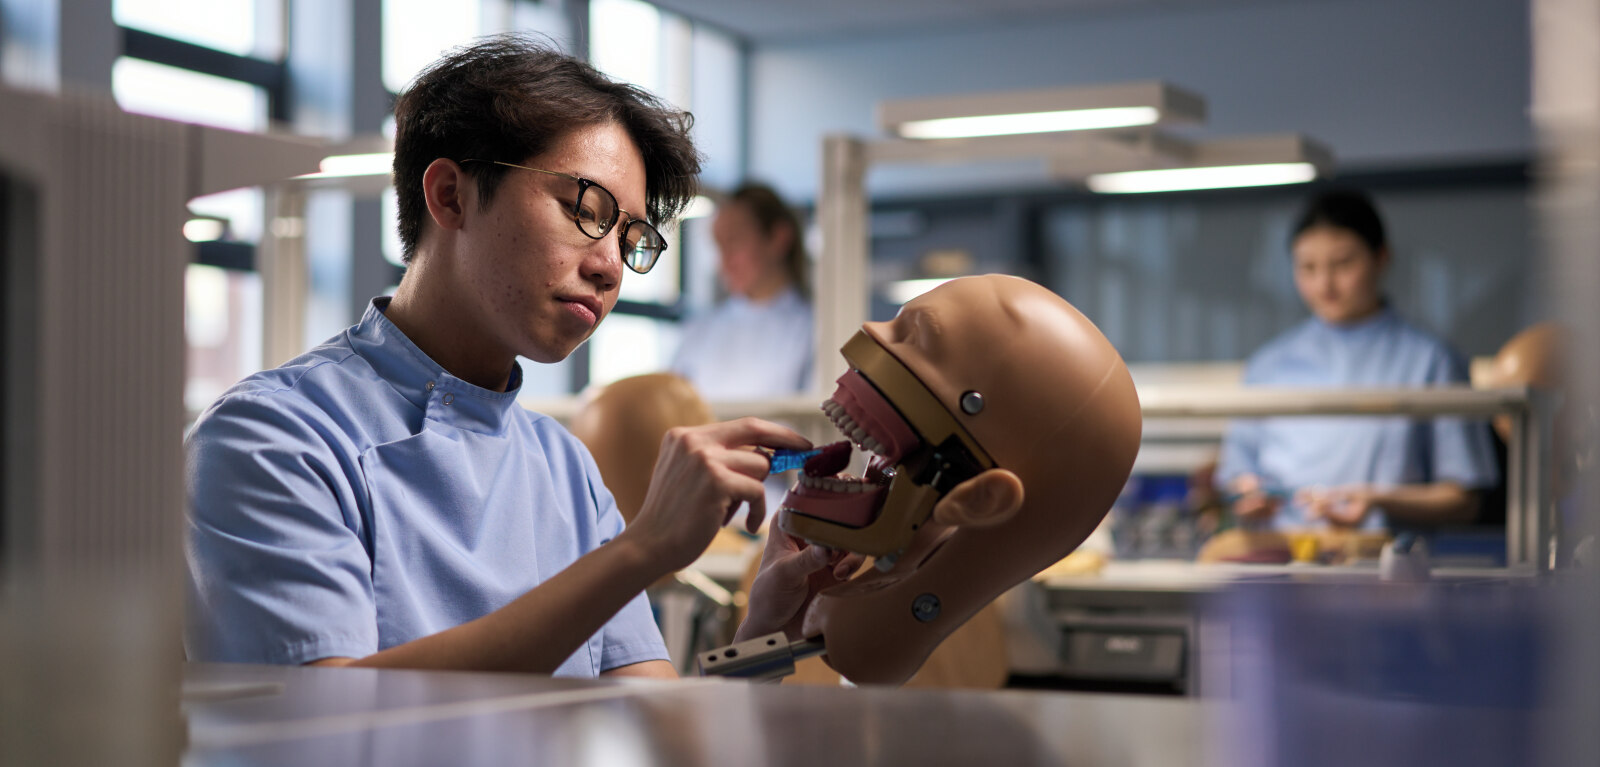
1344	472
757	343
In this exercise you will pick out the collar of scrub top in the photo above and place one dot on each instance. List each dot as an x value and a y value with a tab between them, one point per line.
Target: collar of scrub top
424	383
1381	318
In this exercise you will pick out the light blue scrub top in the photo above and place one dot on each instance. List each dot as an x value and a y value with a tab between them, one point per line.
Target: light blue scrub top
1381	352
360	497
746	350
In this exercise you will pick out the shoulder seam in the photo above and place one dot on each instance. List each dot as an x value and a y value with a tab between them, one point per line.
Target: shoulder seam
293	382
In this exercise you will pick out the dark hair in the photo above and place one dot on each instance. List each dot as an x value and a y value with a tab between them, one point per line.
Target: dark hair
510	97
770	213
1346	209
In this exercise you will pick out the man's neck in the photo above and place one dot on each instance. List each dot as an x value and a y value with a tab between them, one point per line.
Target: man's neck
445	333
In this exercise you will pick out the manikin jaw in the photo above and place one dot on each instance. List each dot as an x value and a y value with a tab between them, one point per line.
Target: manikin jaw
913	461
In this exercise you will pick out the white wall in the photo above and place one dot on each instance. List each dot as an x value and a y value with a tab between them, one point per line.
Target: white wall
1383	82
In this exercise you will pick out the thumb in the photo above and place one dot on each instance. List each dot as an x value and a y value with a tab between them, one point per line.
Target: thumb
801	563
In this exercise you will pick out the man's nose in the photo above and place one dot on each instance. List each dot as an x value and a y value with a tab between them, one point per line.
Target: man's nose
602	263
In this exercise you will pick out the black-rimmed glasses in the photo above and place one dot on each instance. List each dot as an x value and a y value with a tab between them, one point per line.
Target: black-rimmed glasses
596	212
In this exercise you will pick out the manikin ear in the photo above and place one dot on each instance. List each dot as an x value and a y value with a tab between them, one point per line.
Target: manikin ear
989	499
444	189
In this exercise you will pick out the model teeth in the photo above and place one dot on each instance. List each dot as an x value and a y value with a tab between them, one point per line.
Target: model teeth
833	484
849	428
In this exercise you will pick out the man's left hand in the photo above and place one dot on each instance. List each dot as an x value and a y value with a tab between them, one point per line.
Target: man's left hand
791	574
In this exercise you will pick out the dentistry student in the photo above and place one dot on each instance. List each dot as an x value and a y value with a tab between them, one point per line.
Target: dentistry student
382	500
1346	472
758	342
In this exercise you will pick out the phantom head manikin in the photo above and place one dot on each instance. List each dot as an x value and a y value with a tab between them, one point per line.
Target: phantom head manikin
1533	357
1002	426
622	425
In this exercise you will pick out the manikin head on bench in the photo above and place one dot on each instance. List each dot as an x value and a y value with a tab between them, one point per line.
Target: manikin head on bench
1003	425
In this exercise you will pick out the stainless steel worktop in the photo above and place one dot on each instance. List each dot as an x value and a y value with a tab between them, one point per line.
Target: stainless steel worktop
313	716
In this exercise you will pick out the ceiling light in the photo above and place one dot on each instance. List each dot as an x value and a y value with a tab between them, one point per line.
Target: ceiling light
204	229
1030	122
1040	111
902	291
1216	177
341	165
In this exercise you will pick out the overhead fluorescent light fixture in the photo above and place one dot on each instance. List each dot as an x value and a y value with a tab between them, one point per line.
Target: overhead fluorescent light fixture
204	229
1040	111
900	292
1218	177
1031	122
345	165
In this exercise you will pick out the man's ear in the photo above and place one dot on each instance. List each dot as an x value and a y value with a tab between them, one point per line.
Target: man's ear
988	499
445	188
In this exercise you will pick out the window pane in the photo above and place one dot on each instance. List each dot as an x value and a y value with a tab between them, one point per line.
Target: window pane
660	284
628	344
243	208
547	17
416	32
718	107
541	381
390	205
625	41
243	27
180	94
222	321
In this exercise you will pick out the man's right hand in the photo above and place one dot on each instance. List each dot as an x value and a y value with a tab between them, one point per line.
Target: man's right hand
701	477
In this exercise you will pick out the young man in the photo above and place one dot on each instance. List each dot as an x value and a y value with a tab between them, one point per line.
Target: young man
383	501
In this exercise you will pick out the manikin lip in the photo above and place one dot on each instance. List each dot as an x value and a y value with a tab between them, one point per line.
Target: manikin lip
862	414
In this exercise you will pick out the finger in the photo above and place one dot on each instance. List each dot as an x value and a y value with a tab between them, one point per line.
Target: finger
741	488
754	431
757	513
779	542
847	565
794	568
747	462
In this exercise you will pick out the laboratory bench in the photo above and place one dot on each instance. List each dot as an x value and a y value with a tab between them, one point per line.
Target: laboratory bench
1148	626
265	715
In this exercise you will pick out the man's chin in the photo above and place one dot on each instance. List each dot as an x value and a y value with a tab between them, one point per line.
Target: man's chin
550	353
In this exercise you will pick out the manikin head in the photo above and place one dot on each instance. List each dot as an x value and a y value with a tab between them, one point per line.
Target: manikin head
1340	255
1003	426
1535	357
622	425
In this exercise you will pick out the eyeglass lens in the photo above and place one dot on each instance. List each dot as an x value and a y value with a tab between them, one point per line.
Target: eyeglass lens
596	213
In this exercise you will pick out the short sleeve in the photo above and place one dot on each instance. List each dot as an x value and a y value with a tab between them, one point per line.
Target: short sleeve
1241	443
275	573
1463	450
1240	450
631	636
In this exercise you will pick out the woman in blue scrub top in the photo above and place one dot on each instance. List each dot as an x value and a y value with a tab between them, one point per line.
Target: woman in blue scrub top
1362	473
757	343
